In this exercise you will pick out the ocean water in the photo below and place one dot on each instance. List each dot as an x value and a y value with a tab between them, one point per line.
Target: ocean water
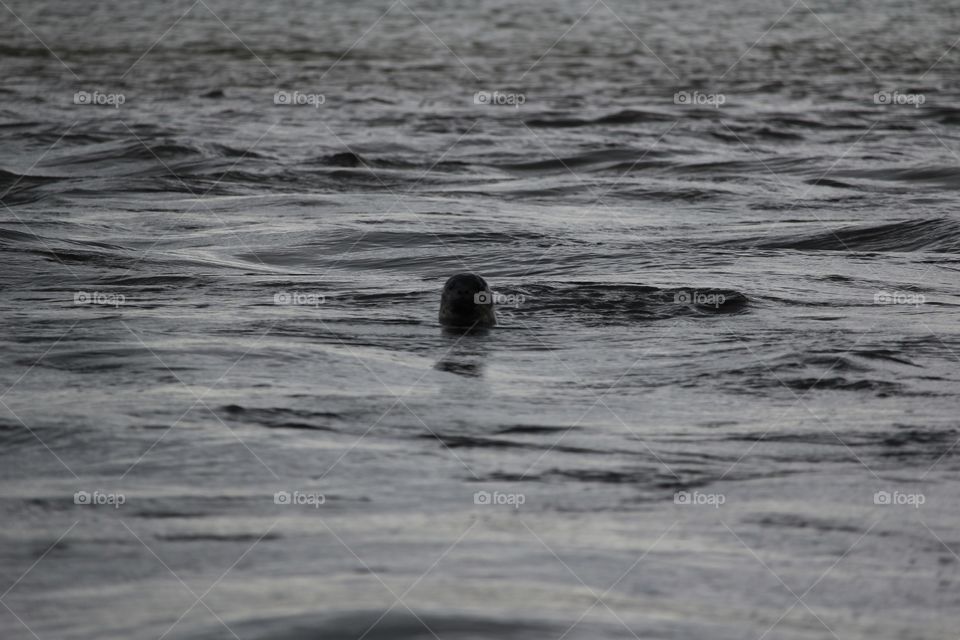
721	401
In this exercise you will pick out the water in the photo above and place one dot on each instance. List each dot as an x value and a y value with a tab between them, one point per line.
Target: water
149	359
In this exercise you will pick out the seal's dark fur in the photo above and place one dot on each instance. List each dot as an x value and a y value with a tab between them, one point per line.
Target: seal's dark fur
467	301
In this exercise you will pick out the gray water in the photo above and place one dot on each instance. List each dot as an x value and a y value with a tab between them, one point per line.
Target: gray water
721	401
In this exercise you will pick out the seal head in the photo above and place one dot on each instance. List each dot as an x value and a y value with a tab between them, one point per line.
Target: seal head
467	302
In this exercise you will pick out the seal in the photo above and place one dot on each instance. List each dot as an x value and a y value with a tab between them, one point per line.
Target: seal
467	302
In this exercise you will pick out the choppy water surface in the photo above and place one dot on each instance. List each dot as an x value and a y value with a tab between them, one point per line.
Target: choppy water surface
209	298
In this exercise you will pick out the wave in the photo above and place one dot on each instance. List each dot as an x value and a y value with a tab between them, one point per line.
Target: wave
10	178
944	115
613	303
280	418
22	188
343	159
396	625
936	234
800	521
457	441
654	477
946	176
119	151
218	537
901	442
760	167
625	116
599	159
864	370
744	134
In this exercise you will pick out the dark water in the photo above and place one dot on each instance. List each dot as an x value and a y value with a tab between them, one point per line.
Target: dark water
640	157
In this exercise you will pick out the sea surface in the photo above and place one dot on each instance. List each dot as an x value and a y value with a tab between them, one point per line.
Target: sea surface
721	401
